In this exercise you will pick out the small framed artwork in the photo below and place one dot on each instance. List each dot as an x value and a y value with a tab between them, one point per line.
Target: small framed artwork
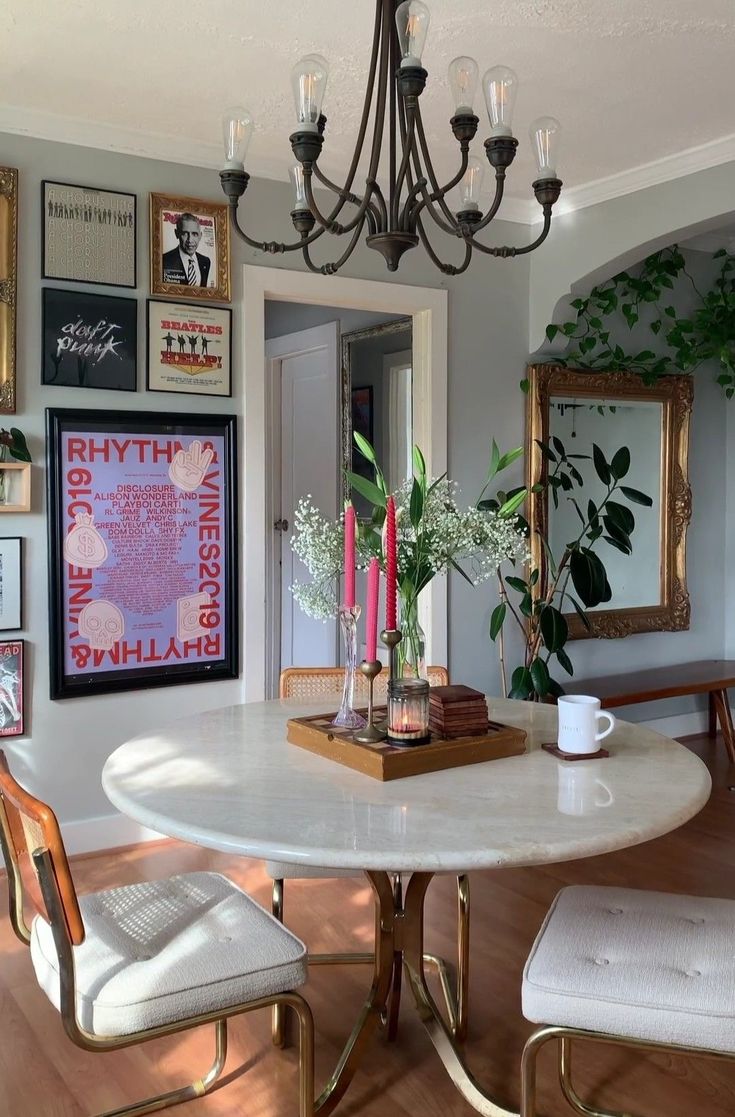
89	341
142	549
189	348
190	248
11	688
11	585
15	486
88	234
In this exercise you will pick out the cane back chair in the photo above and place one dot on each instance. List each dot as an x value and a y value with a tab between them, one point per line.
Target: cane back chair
646	970
326	682
146	960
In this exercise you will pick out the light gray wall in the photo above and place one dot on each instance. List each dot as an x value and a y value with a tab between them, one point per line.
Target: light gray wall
708	536
286	318
62	755
729	598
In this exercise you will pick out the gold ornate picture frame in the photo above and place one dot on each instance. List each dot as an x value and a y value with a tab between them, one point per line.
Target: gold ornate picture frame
189	248
675	394
8	285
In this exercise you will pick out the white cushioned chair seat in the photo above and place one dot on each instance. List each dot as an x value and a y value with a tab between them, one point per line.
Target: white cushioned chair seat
648	965
285	870
162	951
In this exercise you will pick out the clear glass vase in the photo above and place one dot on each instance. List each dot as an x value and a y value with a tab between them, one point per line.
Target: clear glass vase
347	717
411	652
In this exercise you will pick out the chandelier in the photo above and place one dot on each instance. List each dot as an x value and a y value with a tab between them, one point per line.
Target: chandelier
397	214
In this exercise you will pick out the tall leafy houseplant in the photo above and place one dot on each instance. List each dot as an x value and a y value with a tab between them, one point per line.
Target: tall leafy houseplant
644	301
535	604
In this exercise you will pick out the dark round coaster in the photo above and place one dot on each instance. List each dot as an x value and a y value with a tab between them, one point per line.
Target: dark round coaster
556	751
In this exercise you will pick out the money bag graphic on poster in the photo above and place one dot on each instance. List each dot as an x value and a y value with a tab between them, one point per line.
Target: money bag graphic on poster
84	546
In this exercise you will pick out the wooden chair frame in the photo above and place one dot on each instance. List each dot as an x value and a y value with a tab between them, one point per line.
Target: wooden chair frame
51	892
456	1000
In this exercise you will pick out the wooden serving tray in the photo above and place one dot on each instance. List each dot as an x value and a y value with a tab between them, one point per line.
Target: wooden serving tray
385	762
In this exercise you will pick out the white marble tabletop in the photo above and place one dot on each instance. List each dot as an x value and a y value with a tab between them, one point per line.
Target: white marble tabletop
228	779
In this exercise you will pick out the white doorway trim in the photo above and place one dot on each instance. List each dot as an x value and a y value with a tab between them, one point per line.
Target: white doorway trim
428	309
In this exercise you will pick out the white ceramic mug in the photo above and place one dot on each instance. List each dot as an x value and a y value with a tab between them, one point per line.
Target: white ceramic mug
581	790
578	718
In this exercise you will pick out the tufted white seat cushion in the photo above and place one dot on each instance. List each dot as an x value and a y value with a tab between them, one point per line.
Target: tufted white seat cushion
648	965
163	951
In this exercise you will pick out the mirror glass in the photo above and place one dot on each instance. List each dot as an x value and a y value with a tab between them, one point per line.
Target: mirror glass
579	422
377	401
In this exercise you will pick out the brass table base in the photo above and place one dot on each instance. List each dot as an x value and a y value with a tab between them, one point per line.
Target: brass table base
399	946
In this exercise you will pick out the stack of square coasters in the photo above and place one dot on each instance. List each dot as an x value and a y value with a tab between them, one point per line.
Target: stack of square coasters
457	711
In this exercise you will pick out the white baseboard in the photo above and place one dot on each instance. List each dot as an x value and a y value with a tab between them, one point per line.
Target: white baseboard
106	832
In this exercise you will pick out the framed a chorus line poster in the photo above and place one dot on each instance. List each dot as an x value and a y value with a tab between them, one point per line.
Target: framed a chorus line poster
142	544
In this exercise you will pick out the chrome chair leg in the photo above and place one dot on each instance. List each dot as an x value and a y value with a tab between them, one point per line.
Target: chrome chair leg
279	1013
185	1093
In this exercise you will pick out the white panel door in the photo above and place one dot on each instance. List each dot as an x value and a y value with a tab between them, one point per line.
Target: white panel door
303	370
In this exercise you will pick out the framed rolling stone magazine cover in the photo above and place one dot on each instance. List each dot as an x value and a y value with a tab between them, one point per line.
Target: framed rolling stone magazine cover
142	546
189	348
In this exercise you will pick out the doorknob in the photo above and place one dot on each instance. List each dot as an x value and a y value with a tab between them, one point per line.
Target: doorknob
281	525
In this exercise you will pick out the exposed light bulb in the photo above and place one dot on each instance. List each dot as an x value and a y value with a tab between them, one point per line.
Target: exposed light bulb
463	78
309	81
237	129
412	23
471	185
296	174
545	134
500	86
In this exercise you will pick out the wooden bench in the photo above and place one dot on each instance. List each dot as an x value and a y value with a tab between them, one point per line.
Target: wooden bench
708	676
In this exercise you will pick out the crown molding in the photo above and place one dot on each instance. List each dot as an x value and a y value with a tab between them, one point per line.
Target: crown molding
178	149
687	162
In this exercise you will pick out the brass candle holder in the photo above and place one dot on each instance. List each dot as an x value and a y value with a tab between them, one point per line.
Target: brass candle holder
392	637
371	733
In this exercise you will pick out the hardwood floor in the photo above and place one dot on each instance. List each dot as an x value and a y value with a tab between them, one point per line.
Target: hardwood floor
42	1074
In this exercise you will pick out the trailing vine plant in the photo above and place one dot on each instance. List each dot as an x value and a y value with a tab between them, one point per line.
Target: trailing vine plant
645	304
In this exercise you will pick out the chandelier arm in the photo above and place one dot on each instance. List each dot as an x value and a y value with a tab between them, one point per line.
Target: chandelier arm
438	193
344	193
372	177
447	269
411	217
326	223
271	246
426	203
495	206
331	269
506	251
407	143
416	207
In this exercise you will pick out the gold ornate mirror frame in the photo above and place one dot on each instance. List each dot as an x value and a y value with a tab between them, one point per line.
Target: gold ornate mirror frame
8	273
675	393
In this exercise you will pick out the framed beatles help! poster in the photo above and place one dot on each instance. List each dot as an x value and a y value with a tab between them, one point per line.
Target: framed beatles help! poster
190	248
142	542
189	348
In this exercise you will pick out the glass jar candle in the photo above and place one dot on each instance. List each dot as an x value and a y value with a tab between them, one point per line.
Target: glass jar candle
408	712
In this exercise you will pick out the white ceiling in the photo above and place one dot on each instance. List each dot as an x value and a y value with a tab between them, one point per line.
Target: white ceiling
634	82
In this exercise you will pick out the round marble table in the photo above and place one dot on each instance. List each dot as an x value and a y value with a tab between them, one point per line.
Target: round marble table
229	780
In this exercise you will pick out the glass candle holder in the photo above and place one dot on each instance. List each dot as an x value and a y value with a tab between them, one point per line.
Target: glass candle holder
408	712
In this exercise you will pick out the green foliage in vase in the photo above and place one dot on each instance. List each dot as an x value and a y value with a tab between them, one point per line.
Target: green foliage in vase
574	580
13	442
645	302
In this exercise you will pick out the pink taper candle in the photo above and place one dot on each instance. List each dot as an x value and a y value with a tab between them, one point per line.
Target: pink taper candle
349	588
391	565
371	619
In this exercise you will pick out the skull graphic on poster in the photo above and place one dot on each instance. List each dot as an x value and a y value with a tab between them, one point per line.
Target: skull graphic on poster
84	546
102	623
